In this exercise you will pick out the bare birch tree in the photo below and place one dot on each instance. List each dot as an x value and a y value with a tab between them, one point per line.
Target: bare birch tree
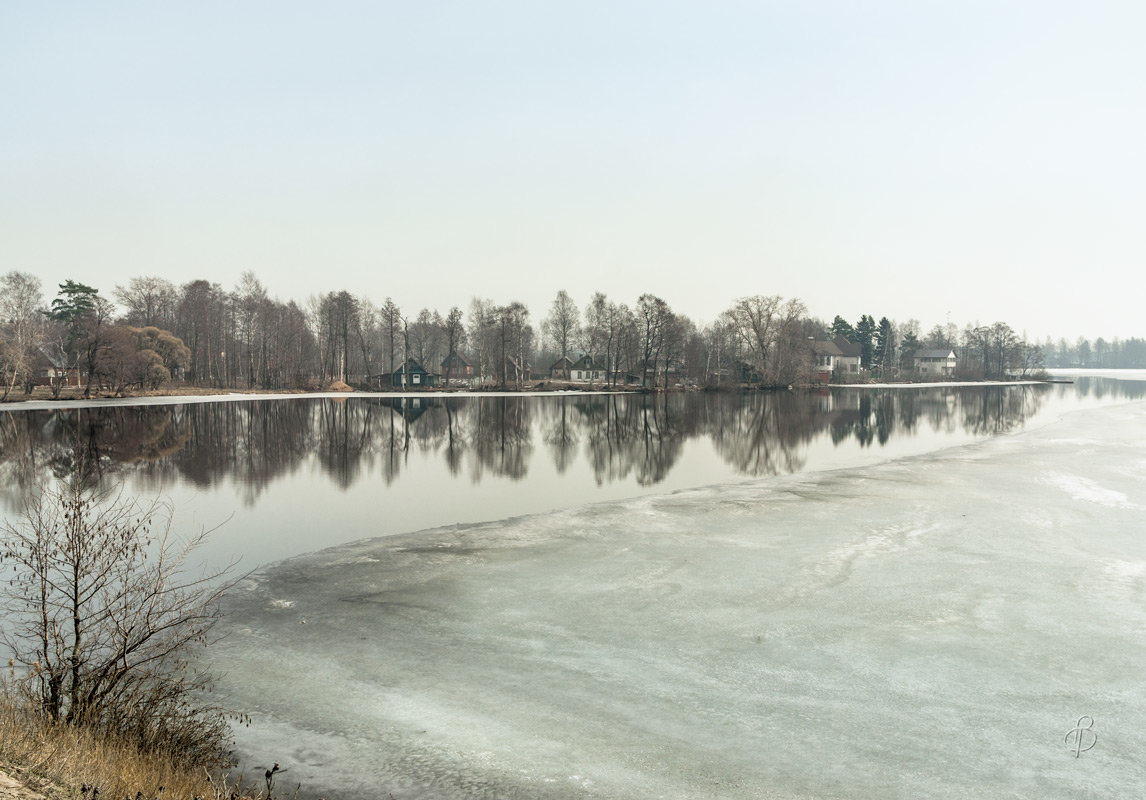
563	325
22	329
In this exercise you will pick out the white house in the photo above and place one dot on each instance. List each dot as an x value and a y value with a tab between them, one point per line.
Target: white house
826	356
850	353
584	371
936	363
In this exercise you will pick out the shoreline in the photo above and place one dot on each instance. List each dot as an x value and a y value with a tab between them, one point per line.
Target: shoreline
232	396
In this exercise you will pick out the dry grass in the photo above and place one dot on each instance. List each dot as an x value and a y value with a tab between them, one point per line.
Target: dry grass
66	762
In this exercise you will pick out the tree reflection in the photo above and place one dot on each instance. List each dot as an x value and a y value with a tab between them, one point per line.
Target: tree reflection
502	437
618	437
762	433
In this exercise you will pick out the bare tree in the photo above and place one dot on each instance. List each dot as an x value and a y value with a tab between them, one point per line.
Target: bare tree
562	326
339	323
482	335
455	334
755	322
250	299
368	335
22	329
148	301
426	333
654	316
201	323
104	613
770	331
391	318
514	343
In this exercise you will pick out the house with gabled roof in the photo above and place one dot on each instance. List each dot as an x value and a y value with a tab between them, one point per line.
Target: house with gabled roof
409	375
827	357
455	366
52	369
850	356
584	370
936	363
561	368
515	372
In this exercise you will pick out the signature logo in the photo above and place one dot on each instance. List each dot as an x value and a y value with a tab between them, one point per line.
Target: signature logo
1083	737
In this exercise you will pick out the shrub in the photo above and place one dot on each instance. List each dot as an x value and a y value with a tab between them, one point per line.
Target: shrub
105	618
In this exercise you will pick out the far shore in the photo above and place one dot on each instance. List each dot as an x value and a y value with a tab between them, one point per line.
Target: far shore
41	400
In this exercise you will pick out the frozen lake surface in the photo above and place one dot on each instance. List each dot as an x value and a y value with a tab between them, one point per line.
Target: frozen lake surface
931	626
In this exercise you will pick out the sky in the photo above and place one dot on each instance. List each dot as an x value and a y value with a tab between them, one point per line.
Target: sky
939	161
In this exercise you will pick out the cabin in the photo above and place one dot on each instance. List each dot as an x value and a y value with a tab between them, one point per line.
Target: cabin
455	366
515	372
411	374
936	363
561	369
623	378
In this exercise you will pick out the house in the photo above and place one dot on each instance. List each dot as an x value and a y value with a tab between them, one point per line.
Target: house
584	371
515	372
938	363
744	372
560	369
409	374
622	378
850	354
53	370
827	357
455	366
661	375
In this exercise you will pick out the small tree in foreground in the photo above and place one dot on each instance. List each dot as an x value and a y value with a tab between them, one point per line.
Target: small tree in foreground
104	619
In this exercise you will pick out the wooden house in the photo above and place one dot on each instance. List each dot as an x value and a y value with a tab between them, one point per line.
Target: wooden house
455	366
561	369
408	375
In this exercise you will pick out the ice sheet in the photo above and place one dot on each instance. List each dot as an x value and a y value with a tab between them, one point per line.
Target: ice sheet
931	627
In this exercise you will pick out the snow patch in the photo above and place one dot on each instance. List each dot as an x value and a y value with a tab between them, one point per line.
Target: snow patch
1087	490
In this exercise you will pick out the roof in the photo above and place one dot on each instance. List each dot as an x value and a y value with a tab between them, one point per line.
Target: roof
458	357
826	349
938	354
409	367
558	363
585	362
847	349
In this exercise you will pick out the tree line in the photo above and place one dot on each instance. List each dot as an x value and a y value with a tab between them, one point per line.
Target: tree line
151	331
1099	354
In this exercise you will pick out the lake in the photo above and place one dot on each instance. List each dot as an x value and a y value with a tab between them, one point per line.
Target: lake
288	476
845	593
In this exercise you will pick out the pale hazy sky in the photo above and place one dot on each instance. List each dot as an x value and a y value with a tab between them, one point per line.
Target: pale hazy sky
985	160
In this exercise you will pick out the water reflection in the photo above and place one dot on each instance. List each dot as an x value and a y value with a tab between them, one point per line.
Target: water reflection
619	437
